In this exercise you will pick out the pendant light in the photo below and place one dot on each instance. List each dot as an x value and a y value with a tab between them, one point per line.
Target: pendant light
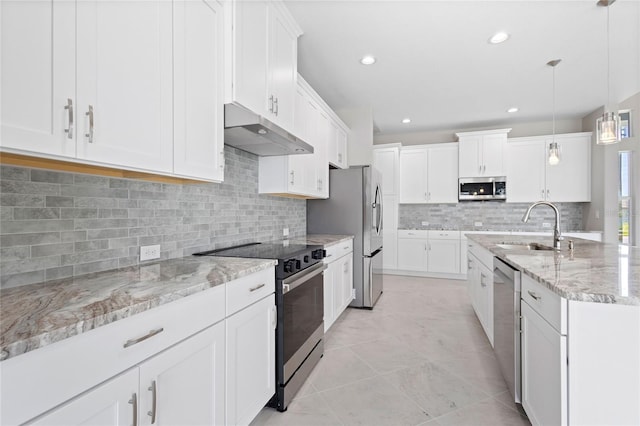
608	126
554	149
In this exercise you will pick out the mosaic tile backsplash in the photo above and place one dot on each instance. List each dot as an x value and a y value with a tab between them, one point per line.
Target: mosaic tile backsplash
57	224
494	216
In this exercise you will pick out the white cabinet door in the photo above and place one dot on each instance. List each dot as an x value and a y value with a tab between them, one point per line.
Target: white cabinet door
485	299
442	174
570	180
346	283
544	370
38	76
185	385
247	32
198	148
443	256
320	156
328	297
413	175
493	155
250	361
412	254
525	171
113	403
387	161
469	163
472	279
342	151
124	83
282	64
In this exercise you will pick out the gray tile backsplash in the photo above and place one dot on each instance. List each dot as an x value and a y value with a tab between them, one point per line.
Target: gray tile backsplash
494	216
58	224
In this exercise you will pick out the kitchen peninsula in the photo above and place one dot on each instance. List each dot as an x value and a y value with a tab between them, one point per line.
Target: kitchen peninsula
580	328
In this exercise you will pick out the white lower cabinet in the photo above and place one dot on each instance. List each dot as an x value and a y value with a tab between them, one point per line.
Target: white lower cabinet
250	361
544	370
112	403
480	287
338	281
183	385
431	251
412	251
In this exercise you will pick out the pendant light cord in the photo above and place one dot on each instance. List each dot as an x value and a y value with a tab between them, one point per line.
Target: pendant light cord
607	109
553	103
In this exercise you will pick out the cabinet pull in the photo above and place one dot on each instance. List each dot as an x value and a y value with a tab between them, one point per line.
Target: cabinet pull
339	157
271	103
469	265
90	115
275	105
222	159
259	286
152	333
479	168
69	108
345	248
274	317
484	168
429	197
535	296
154	400
134	401
292	177
482	283
542	193
548	196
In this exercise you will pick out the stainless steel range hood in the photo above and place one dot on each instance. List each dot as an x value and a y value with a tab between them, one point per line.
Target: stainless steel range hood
253	133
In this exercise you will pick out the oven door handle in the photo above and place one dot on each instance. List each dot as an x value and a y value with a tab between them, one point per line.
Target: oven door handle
298	279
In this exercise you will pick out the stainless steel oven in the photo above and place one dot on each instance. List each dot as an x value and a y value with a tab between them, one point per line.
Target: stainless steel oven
300	330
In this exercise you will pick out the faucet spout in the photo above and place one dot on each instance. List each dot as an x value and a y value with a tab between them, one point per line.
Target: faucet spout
556	229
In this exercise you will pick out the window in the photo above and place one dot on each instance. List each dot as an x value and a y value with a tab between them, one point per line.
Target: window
625	198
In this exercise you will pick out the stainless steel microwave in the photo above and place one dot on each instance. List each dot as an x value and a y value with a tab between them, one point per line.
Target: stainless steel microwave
482	188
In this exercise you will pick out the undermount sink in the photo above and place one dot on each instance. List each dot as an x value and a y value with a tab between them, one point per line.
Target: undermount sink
523	246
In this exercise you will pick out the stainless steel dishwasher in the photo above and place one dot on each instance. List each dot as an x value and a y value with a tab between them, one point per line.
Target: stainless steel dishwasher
506	324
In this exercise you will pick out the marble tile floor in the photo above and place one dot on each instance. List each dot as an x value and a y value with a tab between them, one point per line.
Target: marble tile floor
420	357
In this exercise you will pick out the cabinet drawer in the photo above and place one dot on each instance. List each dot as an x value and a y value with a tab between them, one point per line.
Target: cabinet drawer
413	233
338	250
44	378
247	290
549	305
484	256
444	235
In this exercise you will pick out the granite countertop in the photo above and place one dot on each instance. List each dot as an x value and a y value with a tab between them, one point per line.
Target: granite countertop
326	240
36	315
592	272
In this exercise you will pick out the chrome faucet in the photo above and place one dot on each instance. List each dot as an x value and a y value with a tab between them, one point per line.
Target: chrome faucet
556	229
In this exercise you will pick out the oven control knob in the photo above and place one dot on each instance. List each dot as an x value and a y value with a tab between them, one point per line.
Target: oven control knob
298	265
318	254
306	258
289	265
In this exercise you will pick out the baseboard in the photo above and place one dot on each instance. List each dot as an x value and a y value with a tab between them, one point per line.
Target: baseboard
461	277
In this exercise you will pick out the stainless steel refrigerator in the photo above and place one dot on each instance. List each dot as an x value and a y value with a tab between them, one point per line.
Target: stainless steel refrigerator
354	207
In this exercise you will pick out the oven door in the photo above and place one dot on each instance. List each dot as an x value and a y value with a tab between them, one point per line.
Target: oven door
302	314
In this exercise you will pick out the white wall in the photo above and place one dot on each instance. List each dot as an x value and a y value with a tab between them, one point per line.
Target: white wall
536	128
360	121
602	213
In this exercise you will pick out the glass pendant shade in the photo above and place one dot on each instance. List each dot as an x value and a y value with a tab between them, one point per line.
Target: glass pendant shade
554	154
608	128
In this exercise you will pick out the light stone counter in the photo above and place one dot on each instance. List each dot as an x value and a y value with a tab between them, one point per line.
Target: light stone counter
36	315
326	240
592	272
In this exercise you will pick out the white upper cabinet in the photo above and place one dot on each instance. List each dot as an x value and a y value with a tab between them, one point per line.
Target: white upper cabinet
482	153
198	145
387	161
262	46
38	77
429	174
124	83
531	178
338	145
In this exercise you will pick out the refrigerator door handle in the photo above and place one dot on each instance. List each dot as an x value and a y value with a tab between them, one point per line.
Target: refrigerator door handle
377	206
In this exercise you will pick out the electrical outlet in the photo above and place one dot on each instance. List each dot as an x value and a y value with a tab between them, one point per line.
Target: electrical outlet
546	225
149	252
477	223
285	232
597	214
425	223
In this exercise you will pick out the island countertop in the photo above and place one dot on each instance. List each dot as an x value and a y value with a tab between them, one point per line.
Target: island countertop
591	272
36	315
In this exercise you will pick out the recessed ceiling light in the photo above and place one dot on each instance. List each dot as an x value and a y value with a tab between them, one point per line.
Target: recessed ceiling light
406	120
499	38
513	109
368	60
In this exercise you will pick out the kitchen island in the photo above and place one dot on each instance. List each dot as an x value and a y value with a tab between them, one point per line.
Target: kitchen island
579	328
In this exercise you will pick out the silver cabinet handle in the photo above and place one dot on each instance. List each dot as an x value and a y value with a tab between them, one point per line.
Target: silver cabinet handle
484	168
542	193
548	195
274	317
69	108
480	168
425	196
152	333
134	401
292	177
275	105
154	400
222	159
271	103
482	283
90	114
259	286
535	296
469	264
339	157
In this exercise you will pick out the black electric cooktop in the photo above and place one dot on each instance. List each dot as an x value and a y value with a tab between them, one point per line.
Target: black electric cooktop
280	250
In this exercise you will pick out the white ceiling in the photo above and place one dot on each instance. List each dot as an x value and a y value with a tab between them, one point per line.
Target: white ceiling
435	64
